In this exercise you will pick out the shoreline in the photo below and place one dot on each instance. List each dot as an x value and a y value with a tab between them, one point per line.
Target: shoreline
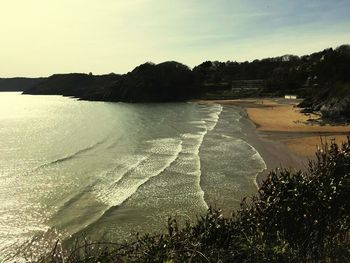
275	154
282	135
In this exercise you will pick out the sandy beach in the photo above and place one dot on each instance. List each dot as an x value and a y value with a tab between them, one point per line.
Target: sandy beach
283	135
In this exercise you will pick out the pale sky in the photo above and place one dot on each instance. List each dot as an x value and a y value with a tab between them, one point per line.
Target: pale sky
43	37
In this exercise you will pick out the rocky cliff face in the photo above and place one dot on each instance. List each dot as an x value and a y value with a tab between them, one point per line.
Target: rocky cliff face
333	102
336	108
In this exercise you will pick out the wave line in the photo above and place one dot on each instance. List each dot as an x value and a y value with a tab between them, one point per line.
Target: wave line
71	156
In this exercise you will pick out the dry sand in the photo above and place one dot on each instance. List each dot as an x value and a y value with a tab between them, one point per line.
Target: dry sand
284	136
280	120
283	121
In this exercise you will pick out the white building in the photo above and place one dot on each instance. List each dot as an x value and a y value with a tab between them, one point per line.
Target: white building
290	97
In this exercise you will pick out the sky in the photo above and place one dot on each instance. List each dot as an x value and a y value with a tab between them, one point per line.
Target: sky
43	37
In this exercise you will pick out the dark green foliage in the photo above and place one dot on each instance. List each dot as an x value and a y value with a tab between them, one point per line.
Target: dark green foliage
320	77
83	86
309	211
296	217
18	84
168	81
304	76
330	92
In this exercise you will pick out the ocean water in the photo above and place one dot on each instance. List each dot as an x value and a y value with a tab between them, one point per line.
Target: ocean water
108	170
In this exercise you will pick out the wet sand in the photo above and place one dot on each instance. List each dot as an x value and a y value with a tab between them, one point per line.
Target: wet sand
283	135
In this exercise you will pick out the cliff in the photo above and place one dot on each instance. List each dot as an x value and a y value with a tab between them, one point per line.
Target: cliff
322	78
332	101
168	81
79	85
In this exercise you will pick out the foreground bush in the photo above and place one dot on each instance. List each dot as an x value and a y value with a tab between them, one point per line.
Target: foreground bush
296	217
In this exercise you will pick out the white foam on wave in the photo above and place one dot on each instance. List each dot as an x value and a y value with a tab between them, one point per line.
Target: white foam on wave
193	150
198	124
113	176
116	186
160	155
72	155
256	156
192	141
211	123
213	116
189	160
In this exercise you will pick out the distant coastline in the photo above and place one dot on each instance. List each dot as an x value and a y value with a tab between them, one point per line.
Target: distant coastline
18	84
322	79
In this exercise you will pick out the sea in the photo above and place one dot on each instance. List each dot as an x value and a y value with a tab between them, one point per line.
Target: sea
71	169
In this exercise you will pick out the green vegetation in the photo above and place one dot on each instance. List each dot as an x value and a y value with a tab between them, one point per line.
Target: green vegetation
84	86
296	217
322	78
168	81
304	76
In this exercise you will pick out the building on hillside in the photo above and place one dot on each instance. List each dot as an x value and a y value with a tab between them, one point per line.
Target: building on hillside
290	97
254	84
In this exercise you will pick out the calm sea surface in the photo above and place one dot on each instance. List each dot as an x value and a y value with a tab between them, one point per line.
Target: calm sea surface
69	167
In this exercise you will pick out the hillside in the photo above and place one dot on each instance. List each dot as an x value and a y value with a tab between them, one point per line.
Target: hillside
323	78
168	81
332	102
18	84
84	86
